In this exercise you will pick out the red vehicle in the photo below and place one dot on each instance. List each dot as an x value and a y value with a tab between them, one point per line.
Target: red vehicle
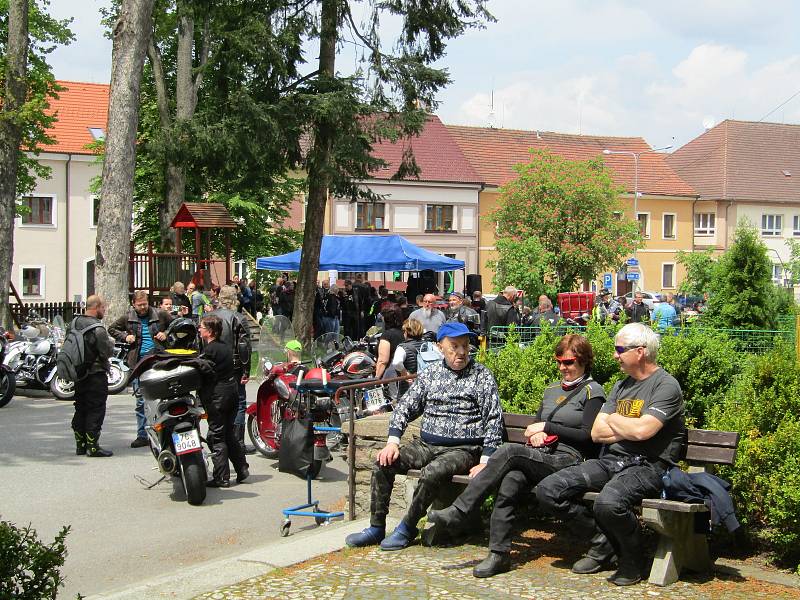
576	306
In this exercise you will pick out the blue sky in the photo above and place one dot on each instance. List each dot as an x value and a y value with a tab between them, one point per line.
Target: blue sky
659	70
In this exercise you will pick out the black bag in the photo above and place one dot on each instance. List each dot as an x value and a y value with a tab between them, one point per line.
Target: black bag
296	453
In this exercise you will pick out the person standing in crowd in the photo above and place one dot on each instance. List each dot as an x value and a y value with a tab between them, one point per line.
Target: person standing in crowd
638	312
247	296
478	302
91	392
286	300
221	406
607	309
236	335
404	360
143	328
391	338
664	315
500	313
462	425
544	312
405	307
199	300
348	303
430	316
460	311
330	310
258	298
180	299
567	411
642	428
274	296
168	306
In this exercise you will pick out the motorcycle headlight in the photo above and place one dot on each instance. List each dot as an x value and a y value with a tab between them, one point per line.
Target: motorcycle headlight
283	390
267	366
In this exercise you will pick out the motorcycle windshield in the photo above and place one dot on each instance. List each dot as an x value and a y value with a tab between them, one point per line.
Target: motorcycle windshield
327	345
274	334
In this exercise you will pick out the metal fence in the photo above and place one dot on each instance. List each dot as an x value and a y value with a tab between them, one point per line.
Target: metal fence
755	341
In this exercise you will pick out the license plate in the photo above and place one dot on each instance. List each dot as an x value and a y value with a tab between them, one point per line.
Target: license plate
186	442
375	397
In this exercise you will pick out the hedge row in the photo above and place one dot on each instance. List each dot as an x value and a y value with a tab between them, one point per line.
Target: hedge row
724	389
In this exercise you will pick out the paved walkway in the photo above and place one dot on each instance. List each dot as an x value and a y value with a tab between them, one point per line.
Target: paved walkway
541	570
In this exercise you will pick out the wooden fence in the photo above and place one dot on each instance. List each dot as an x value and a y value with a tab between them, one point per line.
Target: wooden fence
45	310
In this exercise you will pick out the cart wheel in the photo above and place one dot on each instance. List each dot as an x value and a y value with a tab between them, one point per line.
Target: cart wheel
321	520
285	528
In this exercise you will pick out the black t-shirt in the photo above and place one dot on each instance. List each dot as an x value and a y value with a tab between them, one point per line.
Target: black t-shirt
221	355
395	337
659	395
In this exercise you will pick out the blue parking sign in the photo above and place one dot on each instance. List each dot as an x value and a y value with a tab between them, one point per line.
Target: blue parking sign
608	280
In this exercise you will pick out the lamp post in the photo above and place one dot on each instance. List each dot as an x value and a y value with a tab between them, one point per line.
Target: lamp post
635	156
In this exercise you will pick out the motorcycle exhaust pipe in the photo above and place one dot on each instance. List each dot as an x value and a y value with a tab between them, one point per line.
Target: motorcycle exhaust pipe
167	462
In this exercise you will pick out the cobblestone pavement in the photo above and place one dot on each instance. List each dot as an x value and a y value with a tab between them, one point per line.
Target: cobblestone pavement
420	572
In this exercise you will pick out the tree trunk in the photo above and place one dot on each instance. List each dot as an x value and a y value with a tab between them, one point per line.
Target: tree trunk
131	35
14	95
318	183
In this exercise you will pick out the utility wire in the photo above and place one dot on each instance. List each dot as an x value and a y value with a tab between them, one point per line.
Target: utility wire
789	99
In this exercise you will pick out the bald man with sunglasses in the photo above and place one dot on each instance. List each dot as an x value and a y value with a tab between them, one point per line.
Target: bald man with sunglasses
641	427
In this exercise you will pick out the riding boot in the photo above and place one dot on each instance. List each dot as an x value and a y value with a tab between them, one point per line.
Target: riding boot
93	446
80	442
238	431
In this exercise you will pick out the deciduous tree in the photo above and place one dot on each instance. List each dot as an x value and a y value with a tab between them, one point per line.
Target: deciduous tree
573	210
699	271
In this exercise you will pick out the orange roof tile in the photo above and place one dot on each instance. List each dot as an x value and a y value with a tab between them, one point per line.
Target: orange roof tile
494	152
743	160
79	107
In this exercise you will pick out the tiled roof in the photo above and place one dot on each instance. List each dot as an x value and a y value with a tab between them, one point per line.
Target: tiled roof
79	107
494	152
743	160
436	152
203	215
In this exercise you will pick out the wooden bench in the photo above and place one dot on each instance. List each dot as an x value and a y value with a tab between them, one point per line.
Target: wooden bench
680	544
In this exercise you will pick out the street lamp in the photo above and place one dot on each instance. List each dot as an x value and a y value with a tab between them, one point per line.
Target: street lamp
635	156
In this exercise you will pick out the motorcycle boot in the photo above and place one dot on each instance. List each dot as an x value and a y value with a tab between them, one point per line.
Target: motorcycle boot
93	447
80	442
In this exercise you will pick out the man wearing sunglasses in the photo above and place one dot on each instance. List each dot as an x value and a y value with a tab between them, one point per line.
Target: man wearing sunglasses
641	427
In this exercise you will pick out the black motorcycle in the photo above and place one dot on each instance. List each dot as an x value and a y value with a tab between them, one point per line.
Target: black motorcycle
173	414
7	381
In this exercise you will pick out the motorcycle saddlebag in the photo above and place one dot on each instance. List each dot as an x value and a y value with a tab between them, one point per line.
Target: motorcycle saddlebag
169	383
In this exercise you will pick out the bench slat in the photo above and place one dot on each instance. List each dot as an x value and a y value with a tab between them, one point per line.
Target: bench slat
707	437
711	454
516	436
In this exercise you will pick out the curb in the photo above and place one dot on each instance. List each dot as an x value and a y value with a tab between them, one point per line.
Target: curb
191	581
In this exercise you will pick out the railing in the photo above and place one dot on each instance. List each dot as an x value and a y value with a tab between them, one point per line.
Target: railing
158	271
46	310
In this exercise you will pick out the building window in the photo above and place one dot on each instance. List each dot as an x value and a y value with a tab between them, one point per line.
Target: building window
370	215
39	210
777	274
439	217
771	225
94	217
667	275
240	268
32	281
705	224
668	222
351	275
796	226
644	224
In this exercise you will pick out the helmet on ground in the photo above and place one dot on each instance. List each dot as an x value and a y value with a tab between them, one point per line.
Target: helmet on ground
182	334
358	364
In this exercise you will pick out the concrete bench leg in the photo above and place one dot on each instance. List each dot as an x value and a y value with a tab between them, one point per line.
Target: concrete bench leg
679	546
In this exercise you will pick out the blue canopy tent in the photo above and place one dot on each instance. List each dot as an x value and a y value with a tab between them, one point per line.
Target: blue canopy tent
365	253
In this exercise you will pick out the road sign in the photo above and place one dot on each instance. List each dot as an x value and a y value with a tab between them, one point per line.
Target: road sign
632	262
608	280
632	276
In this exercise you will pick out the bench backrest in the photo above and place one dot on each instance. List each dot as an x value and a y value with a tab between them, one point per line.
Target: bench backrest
701	446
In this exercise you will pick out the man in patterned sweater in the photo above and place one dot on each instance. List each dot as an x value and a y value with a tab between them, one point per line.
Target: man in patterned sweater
462	425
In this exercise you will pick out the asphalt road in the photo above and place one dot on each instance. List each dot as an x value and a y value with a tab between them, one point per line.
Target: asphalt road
121	532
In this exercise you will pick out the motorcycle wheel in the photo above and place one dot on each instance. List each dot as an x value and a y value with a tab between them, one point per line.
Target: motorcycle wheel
193	475
117	379
266	445
61	388
7	387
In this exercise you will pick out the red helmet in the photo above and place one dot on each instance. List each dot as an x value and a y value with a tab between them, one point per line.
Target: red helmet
358	364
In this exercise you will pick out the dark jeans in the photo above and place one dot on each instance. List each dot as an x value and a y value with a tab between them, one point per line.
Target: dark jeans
221	411
513	470
241	406
621	484
91	395
437	463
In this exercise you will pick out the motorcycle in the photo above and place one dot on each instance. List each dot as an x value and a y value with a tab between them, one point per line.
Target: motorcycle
173	414
7	380
118	375
32	358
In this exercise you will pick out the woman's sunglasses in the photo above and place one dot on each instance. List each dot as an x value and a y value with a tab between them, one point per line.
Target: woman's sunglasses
566	361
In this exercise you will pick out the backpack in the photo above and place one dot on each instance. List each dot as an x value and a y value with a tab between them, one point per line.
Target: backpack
235	332
427	355
71	359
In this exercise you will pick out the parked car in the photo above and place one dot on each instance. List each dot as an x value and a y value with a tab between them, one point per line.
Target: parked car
647	298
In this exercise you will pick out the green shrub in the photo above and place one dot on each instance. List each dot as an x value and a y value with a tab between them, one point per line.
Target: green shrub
29	569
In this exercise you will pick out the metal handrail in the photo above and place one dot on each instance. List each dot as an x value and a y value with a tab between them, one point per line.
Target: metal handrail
351	433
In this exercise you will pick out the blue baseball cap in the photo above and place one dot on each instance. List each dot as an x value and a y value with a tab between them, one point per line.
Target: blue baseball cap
452	330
